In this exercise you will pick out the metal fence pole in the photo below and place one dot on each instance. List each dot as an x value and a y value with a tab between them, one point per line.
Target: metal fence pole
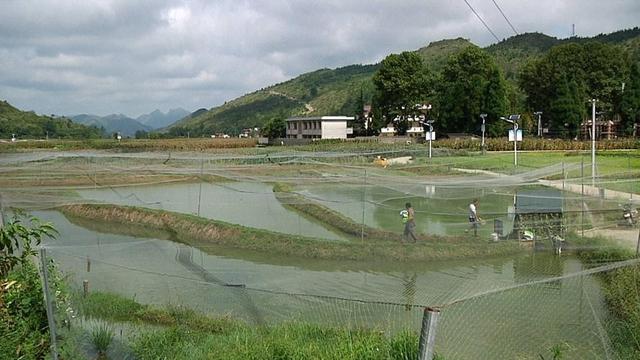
638	245
428	334
48	303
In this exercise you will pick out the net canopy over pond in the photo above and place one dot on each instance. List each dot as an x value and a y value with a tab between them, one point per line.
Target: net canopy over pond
269	236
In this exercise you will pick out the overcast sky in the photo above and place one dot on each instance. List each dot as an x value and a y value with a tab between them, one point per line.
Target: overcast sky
124	56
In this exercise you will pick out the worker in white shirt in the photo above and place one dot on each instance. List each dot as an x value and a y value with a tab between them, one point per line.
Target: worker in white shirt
474	219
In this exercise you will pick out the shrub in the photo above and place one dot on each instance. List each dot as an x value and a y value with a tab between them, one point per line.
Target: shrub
101	337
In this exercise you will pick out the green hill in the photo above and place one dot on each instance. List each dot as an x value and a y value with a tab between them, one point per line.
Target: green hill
27	124
340	91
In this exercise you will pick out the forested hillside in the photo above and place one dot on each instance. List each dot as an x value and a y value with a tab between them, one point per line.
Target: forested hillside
27	124
342	91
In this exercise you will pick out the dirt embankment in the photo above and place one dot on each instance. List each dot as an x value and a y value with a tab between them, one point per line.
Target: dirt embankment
203	233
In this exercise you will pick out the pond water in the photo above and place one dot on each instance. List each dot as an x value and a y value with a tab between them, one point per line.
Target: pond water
245	203
518	323
439	211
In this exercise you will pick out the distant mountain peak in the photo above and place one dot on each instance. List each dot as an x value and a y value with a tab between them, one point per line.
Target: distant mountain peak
158	119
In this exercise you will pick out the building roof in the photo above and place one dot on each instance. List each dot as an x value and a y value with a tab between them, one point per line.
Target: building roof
322	118
539	201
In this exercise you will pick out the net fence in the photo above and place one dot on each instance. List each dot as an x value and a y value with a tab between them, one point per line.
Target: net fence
270	237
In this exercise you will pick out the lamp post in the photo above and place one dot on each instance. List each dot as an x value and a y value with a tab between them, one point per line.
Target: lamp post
430	134
593	141
482	128
513	119
539	114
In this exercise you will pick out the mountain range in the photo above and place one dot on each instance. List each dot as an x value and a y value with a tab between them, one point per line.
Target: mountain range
126	126
343	90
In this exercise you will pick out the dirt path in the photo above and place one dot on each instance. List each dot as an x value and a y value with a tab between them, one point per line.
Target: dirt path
307	106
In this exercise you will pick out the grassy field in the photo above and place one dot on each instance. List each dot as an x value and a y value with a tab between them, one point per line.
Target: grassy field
179	333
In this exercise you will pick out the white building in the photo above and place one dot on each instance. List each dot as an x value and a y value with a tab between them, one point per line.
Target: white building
319	127
388	130
415	127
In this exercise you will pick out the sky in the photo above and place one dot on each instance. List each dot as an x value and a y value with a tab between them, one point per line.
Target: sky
68	57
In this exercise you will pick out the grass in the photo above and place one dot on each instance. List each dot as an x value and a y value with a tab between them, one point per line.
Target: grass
101	338
196	336
111	307
203	233
621	288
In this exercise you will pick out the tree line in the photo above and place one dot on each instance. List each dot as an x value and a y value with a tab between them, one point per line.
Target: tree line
559	84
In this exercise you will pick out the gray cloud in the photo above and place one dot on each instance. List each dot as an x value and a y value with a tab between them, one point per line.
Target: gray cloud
106	56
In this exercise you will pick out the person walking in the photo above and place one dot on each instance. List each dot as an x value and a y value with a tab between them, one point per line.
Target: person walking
409	219
474	219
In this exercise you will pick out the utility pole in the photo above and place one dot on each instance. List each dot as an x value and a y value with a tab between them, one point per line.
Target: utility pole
482	128
593	141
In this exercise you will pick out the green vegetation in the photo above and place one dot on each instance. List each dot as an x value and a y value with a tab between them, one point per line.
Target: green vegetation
185	334
17	238
275	128
322	92
471	84
630	104
26	124
101	338
401	82
560	81
23	320
621	288
342	91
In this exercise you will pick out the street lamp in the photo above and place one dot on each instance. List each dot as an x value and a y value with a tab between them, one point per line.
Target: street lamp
513	119
539	114
593	140
483	116
430	135
424	108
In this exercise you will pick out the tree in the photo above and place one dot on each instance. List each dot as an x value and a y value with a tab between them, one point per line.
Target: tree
19	235
471	84
596	69
275	128
141	134
630	104
401	81
566	109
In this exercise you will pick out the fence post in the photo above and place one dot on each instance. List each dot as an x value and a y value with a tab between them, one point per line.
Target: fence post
428	333
638	245
48	303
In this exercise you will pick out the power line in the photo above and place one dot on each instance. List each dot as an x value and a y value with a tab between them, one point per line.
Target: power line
480	18
505	17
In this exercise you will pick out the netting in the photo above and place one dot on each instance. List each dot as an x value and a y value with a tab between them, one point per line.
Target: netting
274	236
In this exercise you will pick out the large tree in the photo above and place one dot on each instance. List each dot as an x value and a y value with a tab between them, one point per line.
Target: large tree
566	109
471	84
630	106
595	70
402	81
275	128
